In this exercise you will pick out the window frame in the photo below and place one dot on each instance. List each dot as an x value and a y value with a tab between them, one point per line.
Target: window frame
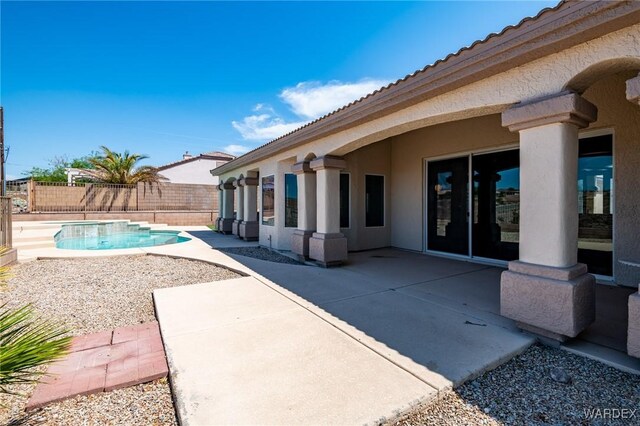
348	174
285	200
384	200
262	208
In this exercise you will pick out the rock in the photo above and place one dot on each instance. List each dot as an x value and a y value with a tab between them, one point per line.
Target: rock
560	375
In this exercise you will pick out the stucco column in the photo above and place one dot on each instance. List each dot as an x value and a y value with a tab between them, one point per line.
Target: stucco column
306	208
220	207
226	224
240	214
546	291
633	333
327	245
633	90
249	229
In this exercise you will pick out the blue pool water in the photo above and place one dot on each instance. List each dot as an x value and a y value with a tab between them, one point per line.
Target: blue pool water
112	235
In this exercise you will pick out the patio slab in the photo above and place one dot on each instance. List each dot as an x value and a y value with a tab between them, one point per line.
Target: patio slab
281	364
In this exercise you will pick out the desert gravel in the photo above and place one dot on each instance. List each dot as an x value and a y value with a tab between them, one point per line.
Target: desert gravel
261	253
94	294
522	392
145	404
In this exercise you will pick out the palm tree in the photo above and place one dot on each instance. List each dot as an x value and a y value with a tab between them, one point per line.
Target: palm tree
114	167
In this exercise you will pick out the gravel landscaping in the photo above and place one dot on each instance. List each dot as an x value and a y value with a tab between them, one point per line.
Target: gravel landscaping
260	253
95	294
522	392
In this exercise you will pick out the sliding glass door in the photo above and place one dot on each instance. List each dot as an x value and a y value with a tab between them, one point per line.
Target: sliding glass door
496	205
448	197
595	204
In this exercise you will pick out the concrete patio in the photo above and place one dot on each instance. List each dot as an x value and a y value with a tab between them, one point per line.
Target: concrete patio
356	344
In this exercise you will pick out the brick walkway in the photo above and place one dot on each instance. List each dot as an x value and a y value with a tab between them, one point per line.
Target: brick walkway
102	362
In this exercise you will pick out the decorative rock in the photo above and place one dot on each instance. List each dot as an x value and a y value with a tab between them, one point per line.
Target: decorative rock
559	375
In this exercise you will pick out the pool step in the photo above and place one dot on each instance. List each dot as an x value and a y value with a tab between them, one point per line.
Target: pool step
29	236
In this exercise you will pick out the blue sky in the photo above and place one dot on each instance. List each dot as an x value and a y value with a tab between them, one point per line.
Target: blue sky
162	78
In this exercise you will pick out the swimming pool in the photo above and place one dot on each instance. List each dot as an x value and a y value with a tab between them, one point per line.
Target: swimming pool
113	235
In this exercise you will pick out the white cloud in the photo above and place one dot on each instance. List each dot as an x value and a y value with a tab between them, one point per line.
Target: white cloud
236	149
312	99
308	101
262	127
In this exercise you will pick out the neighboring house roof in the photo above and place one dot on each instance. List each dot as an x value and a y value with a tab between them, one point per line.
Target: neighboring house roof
214	155
553	29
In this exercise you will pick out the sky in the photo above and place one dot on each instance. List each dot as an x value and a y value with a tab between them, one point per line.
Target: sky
163	78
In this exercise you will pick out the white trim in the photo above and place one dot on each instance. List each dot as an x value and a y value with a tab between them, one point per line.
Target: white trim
384	200
349	199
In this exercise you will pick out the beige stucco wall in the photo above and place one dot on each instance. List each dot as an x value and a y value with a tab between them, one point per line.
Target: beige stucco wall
376	160
408	154
279	234
623	117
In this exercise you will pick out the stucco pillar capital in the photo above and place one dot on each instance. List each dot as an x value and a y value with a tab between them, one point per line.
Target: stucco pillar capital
227	186
566	107
328	162
248	181
633	90
301	167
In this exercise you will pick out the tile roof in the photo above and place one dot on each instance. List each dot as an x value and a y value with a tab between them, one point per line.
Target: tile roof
213	155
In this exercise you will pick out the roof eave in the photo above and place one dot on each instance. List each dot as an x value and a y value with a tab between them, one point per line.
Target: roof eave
568	24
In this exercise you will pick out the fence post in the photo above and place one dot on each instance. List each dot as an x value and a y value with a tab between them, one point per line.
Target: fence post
31	195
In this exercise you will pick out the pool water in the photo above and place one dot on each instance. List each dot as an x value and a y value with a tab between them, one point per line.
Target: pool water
113	235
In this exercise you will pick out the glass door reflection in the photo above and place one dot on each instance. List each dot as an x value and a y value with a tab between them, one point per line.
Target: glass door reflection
496	205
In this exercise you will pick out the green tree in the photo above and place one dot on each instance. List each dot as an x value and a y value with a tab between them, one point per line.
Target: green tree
56	170
114	167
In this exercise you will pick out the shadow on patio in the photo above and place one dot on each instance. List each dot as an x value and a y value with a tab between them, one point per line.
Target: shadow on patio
436	318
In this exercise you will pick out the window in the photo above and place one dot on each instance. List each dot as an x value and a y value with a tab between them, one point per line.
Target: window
374	200
268	204
595	204
345	195
290	201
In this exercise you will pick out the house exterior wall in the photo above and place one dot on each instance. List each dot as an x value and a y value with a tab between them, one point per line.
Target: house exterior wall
408	152
459	121
197	171
375	160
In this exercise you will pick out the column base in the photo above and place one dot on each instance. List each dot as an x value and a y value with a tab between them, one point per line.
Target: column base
558	301
300	243
250	231
235	227
226	226
328	249
633	336
217	223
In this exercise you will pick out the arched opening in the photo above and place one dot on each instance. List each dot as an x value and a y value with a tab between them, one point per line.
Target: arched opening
589	76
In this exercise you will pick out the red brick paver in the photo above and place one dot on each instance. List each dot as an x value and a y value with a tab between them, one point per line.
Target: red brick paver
104	361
